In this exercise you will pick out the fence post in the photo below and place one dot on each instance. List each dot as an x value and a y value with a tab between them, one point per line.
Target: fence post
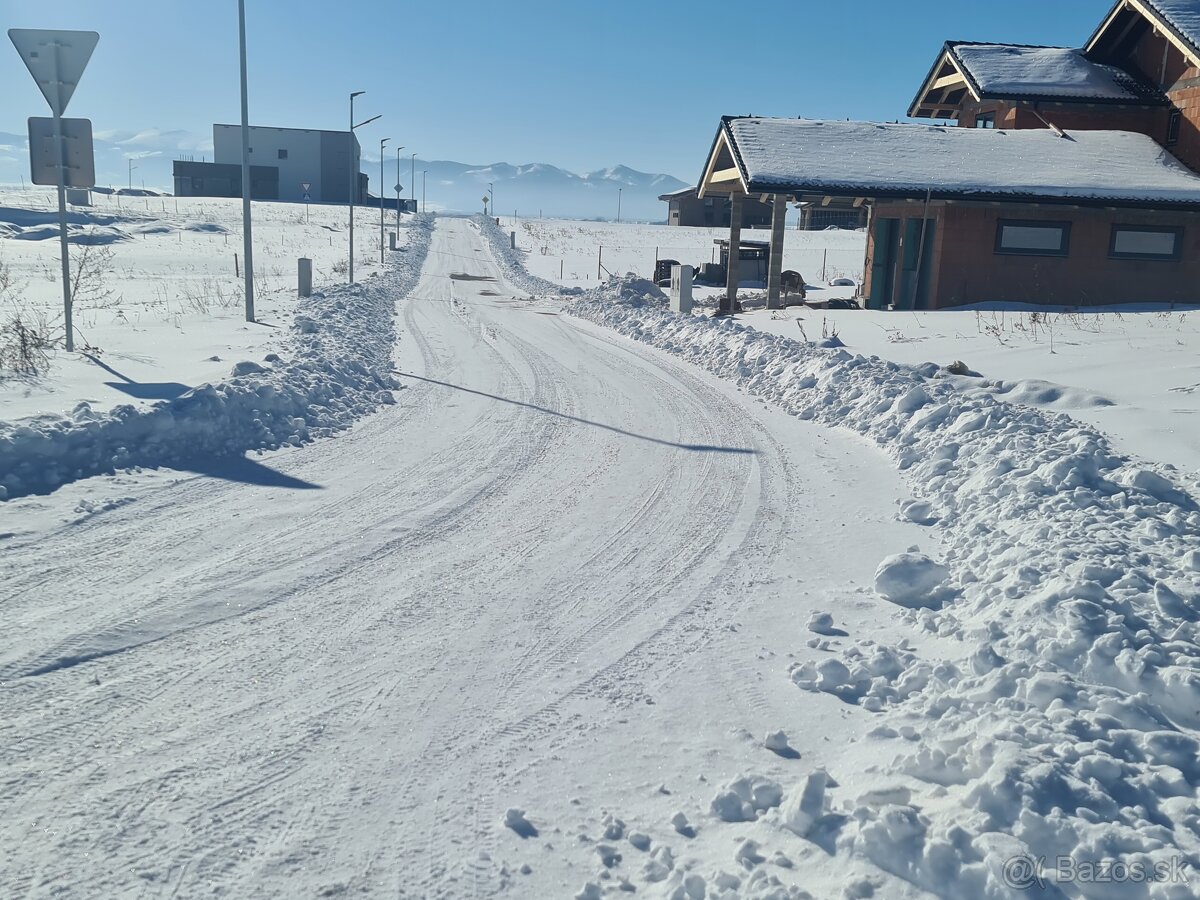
599	260
236	272
304	277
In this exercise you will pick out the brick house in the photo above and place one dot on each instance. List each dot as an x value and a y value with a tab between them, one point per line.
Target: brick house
1066	176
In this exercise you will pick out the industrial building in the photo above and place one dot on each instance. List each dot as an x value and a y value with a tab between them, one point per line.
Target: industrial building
282	162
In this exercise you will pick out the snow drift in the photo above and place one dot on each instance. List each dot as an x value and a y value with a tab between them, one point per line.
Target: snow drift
1066	727
337	367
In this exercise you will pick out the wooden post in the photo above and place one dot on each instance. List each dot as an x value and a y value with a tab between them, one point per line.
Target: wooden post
236	273
599	261
775	264
735	253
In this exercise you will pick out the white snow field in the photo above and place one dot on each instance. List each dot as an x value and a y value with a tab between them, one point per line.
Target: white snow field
160	305
1131	371
549	247
610	600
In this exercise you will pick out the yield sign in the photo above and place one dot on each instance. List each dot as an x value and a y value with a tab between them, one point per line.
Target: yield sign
55	59
305	185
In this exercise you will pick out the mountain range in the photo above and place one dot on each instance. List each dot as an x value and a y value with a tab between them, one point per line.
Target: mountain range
534	189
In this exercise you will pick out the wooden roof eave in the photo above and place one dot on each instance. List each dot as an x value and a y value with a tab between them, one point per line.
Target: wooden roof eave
729	180
1165	28
933	81
875	193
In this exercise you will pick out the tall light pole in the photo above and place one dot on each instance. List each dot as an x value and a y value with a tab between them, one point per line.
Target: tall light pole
382	141
247	236
398	149
424	172
619	204
131	168
354	173
412	178
492	198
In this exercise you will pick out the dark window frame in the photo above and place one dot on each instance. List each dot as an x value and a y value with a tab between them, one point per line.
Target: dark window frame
985	120
1147	257
1174	121
1063	226
282	153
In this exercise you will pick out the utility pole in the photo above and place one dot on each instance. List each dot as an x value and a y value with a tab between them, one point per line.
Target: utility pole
382	141
619	205
131	168
354	173
247	236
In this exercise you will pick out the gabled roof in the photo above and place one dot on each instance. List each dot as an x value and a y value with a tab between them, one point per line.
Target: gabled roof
802	157
1179	19
1020	72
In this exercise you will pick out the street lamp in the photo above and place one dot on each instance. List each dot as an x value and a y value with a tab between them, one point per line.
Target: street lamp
398	149
354	173
492	198
619	205
424	172
247	236
382	141
412	178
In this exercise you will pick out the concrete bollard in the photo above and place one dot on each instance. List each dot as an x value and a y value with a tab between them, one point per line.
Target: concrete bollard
681	289
304	276
512	239
391	240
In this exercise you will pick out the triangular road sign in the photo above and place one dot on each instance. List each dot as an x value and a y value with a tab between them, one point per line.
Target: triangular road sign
55	59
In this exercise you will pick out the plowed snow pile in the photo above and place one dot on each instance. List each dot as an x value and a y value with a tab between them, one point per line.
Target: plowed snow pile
335	368
1066	728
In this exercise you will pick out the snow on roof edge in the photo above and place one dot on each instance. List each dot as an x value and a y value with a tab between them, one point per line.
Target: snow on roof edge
907	160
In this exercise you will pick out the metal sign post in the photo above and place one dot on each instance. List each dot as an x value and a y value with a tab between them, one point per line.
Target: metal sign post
56	60
306	186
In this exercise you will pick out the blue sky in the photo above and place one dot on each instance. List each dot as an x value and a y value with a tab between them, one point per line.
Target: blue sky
578	84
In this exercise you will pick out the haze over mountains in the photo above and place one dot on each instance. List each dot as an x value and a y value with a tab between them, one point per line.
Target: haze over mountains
533	189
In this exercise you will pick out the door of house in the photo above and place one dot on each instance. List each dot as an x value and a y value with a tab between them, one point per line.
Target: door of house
883	263
913	290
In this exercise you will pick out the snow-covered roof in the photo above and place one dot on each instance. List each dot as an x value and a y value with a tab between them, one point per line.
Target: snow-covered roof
869	159
1008	71
1182	15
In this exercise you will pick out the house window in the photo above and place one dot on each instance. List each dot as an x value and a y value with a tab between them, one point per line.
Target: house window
1173	123
1033	238
1139	242
283	154
985	120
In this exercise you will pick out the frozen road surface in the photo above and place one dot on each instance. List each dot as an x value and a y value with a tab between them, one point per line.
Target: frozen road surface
563	574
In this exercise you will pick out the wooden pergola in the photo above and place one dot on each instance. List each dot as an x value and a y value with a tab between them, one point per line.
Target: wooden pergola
724	176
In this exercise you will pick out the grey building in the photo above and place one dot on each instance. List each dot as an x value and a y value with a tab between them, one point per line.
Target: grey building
282	161
686	208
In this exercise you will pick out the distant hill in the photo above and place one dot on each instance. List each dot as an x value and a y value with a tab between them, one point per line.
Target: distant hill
533	189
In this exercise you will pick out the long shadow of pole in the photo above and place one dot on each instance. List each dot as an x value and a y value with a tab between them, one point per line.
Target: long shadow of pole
696	448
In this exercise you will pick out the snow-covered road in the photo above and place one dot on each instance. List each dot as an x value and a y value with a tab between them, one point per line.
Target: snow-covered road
563	570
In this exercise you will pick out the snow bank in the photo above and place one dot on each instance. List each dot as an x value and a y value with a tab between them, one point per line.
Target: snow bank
337	368
1065	726
512	262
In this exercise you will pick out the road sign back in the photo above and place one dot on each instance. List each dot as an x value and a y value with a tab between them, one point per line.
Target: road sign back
55	59
79	165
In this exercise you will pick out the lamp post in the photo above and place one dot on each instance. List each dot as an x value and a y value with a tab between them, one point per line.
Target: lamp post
247	236
412	178
398	149
491	198
131	168
382	141
619	190
354	173
424	172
